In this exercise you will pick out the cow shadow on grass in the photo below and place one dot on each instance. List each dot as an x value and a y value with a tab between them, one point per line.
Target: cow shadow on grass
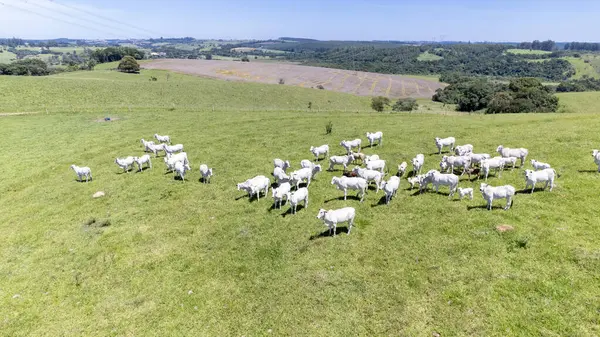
484	207
381	202
143	169
289	210
352	197
82	181
588	171
325	233
528	190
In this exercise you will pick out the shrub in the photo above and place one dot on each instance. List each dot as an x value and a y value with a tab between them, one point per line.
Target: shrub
328	128
245	59
281	81
309	105
379	103
405	104
128	65
208	56
320	87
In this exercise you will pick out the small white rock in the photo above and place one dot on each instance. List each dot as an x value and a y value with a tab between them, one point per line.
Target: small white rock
98	194
190	292
16	296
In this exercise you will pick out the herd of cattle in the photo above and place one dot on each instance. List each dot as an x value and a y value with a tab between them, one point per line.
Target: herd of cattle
359	178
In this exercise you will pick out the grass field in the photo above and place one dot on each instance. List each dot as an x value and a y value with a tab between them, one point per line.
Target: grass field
582	68
171	258
426	56
527	51
7	57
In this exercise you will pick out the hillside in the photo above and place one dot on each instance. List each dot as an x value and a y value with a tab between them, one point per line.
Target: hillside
353	82
158	256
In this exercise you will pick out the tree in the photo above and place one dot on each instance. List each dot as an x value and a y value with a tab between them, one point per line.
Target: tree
208	56
91	64
379	103
128	65
405	104
245	59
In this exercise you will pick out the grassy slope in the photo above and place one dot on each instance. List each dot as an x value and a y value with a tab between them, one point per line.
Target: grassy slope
582	68
426	56
7	57
526	51
108	91
423	264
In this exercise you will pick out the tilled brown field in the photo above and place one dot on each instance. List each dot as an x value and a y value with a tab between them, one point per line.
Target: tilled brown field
348	81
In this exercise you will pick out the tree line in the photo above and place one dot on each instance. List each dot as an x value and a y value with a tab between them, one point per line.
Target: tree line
112	54
582	46
468	59
547	45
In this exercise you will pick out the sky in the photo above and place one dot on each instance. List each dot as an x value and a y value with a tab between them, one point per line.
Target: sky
432	20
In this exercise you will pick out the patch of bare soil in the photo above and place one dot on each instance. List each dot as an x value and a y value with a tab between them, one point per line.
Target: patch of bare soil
348	81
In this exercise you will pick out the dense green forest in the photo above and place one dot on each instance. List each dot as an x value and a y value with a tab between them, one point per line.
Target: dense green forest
469	59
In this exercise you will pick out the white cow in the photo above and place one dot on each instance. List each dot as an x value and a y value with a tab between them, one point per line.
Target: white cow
280	163
307	174
162	139
490	193
463	150
280	176
281	191
390	188
296	197
305	163
441	142
418	162
440	179
340	160
82	172
351	183
155	149
376	165
509	161
255	186
146	144
350	144
125	163
371	157
369	175
332	218
596	156
494	163
477	158
375	136
317	151
172	149
539	165
206	173
402	168
520	153
145	159
464	192
181	168
545	175
449	162
170	160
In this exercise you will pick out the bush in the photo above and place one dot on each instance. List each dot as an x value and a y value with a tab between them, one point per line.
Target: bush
27	67
128	65
379	103
328	128
245	59
405	104
320	87
281	81
208	56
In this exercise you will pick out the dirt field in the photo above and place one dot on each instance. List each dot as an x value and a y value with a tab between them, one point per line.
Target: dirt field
354	82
